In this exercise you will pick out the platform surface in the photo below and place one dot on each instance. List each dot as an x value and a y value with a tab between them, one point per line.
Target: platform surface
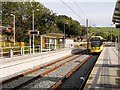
106	72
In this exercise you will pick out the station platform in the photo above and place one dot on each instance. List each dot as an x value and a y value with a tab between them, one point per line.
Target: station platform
106	72
10	67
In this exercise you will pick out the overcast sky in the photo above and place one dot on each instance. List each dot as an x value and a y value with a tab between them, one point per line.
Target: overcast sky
98	12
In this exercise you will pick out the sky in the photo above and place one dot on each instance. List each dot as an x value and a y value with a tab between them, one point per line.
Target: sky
98	12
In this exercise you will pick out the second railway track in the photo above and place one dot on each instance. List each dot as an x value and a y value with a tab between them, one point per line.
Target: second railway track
56	85
27	76
48	75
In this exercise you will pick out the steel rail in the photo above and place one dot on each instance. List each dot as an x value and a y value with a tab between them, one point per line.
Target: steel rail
85	79
43	74
56	85
34	70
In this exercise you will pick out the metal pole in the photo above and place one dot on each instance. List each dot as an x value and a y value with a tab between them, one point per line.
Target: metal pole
111	35
116	42
64	34
33	30
87	34
41	43
30	42
111	38
115	38
55	44
1	51
14	28
49	44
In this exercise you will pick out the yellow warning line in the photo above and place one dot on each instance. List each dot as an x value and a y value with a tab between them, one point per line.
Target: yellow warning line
93	70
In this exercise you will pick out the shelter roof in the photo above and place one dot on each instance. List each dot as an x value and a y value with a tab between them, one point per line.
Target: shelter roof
53	35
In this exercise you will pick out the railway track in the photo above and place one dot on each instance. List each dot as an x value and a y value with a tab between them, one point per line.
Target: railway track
6	83
54	79
41	72
44	73
79	78
55	86
33	70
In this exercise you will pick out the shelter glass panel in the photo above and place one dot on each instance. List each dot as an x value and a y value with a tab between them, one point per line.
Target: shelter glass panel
46	40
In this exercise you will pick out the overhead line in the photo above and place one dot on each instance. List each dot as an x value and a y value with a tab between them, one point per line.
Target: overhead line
80	8
82	11
72	10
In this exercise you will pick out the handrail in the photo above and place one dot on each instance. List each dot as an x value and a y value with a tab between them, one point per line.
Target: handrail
5	51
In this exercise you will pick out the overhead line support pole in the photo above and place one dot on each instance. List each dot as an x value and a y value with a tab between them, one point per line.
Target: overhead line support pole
87	35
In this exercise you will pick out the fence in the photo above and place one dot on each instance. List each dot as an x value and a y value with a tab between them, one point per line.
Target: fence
17	50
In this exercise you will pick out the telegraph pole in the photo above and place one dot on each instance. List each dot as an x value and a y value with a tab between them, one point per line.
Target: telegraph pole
87	35
33	30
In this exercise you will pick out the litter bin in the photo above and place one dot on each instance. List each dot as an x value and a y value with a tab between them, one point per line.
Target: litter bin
22	47
22	44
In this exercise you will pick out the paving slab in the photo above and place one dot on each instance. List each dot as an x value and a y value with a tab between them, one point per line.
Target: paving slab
106	72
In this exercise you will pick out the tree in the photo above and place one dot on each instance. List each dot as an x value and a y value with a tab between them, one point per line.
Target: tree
23	17
72	27
100	34
45	20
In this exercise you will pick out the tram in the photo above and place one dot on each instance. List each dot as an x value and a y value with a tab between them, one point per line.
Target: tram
96	44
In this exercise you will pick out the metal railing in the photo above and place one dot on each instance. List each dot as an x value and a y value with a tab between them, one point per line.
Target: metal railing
17	50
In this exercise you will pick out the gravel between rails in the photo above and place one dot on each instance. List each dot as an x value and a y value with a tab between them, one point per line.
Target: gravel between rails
75	81
14	83
50	79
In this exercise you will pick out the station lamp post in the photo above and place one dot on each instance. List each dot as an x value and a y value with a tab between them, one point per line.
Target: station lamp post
33	28
64	32
33	11
13	26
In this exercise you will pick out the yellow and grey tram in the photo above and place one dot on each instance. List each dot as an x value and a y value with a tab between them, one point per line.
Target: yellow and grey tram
96	44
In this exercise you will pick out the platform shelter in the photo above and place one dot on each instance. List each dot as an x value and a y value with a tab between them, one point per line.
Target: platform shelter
116	21
52	41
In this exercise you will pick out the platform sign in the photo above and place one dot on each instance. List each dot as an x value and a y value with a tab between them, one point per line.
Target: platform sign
31	32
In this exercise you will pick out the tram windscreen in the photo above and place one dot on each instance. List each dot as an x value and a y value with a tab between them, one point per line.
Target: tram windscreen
96	42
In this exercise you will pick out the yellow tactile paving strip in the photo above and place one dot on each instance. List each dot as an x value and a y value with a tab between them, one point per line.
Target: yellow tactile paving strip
104	75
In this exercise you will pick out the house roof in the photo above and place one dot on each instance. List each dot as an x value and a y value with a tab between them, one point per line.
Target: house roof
4	29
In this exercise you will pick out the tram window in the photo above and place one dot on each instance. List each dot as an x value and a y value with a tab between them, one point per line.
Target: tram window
96	43
101	42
